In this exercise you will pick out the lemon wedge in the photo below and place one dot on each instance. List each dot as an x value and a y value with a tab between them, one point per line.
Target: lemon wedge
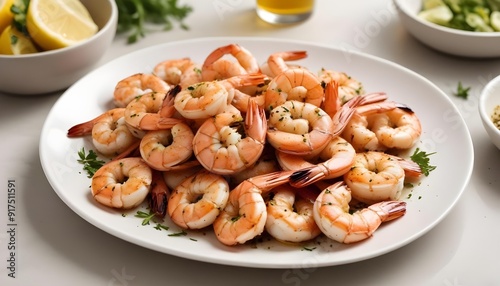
6	15
55	24
440	15
14	42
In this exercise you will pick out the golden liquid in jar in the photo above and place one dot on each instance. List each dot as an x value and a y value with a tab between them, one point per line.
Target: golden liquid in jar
286	7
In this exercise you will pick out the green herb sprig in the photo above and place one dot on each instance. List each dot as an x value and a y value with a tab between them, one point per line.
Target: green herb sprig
423	161
462	91
147	217
134	14
90	162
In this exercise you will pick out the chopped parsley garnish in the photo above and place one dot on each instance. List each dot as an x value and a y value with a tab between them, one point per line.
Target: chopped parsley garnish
145	216
181	233
160	226
423	161
90	162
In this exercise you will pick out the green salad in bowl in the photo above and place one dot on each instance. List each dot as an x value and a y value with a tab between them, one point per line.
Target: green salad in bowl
467	15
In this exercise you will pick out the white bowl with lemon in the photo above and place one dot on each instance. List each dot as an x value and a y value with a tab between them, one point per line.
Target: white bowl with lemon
453	28
57	47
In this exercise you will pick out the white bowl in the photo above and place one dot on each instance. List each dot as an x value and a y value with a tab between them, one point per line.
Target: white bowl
50	71
444	39
489	98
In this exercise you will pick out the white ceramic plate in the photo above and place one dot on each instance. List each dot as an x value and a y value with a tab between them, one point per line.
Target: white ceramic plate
444	132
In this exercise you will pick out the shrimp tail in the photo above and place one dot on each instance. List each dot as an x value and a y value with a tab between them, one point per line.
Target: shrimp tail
168	109
167	122
404	107
277	63
255	121
389	210
158	195
331	103
411	168
306	176
344	115
271	180
85	128
373	97
81	129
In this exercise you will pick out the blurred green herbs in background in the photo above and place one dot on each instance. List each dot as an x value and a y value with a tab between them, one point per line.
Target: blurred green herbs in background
133	15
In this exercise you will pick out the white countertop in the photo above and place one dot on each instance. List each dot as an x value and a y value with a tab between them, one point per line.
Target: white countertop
57	247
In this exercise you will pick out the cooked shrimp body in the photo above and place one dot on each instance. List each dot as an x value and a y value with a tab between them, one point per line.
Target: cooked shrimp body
277	61
197	201
181	71
191	76
147	112
335	160
348	87
123	183
245	215
293	84
375	177
110	134
221	146
372	116
215	67
136	85
163	149
206	99
331	213
290	217
359	134
299	128
397	128
352	123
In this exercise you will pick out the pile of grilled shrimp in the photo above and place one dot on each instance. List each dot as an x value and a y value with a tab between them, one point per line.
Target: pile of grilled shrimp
244	147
